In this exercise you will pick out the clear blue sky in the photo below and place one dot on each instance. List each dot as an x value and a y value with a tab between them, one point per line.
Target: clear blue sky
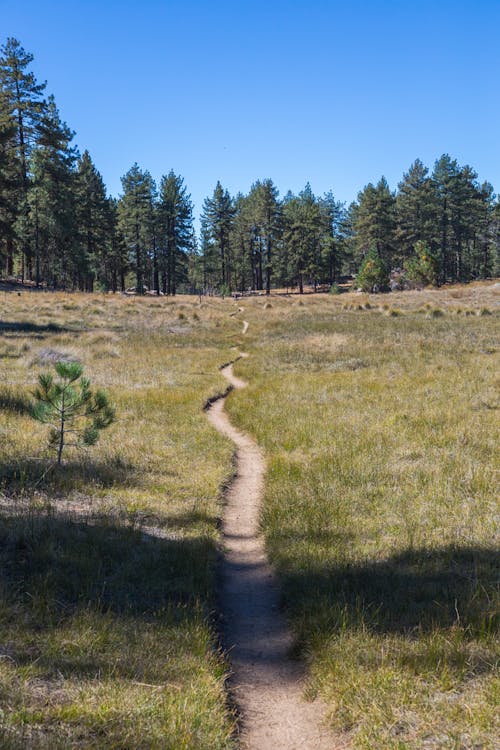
334	93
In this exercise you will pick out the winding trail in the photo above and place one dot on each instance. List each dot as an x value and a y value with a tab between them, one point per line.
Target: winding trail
266	683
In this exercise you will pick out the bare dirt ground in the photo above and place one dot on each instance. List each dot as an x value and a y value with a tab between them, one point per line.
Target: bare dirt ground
267	685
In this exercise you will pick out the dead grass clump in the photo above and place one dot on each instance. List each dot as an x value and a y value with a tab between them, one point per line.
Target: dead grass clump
48	356
435	312
393	312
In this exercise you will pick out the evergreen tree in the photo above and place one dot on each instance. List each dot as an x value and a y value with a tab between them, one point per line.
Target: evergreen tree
8	183
463	217
246	263
176	231
374	221
136	217
26	102
93	218
302	237
116	262
217	217
415	211
266	225
51	221
333	216
75	413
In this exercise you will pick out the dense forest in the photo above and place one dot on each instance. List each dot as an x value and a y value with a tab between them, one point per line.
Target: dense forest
60	229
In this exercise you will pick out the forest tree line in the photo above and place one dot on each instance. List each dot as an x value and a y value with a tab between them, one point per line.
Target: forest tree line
60	229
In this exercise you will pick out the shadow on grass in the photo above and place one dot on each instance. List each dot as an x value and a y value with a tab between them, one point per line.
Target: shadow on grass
415	591
26	327
26	475
54	572
13	401
109	567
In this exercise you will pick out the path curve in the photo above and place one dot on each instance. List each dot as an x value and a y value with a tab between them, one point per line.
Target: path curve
266	684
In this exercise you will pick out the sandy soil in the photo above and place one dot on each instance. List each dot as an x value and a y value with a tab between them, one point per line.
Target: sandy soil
267	685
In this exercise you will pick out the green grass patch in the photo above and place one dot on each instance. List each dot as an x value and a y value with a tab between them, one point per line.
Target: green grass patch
381	512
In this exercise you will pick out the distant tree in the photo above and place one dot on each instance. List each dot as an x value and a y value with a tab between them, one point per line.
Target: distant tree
93	223
374	221
302	234
266	224
176	236
75	413
8	183
51	221
217	220
463	217
333	235
415	211
136	217
245	249
26	102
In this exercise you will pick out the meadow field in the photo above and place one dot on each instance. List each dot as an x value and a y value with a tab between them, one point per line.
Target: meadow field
378	416
107	611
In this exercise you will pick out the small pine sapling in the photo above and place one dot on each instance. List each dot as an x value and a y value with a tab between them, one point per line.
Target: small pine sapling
75	413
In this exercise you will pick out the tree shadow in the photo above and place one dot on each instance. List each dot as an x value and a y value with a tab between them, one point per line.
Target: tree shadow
54	569
414	591
112	567
15	402
24	475
26	327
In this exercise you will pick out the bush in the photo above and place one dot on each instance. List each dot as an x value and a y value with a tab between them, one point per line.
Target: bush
424	268
373	275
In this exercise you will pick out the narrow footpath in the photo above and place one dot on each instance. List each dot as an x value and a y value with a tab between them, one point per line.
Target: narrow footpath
267	685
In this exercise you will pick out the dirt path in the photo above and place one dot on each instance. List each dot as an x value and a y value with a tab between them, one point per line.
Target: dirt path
266	684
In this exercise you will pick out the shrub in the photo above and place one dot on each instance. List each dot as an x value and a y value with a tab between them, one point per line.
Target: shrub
424	268
373	275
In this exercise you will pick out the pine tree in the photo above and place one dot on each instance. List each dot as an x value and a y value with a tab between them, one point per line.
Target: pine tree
463	216
266	225
8	183
245	263
116	262
217	217
136	216
333	216
74	412
175	213
302	235
25	98
415	211
374	221
93	219
50	225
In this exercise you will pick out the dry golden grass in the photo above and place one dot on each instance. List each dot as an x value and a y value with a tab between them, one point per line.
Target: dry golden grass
378	415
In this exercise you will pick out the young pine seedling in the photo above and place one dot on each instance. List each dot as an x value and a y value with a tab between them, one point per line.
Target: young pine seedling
75	413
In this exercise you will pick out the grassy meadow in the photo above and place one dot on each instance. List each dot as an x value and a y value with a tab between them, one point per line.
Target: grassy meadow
107	610
379	419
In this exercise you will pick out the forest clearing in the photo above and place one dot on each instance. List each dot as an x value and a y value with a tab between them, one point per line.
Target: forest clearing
377	418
